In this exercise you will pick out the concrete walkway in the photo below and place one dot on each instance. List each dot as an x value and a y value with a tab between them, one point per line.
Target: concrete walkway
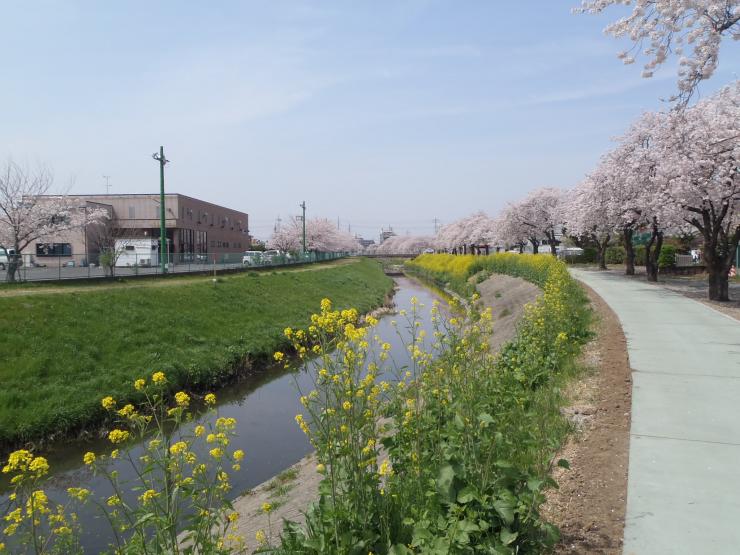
683	493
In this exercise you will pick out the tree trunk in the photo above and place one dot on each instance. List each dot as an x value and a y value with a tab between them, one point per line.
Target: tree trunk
629	251
719	288
553	243
535	246
653	254
602	253
13	266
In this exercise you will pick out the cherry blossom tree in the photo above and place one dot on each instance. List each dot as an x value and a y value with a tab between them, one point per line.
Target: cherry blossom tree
472	233
509	229
691	29
634	199
539	216
699	153
589	213
321	236
405	244
28	213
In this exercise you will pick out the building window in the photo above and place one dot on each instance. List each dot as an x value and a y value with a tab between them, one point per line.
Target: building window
53	249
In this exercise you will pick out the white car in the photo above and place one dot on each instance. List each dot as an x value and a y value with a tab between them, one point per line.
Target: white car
252	258
5	255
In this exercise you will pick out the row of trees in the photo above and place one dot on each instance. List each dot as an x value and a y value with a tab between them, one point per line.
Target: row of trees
671	173
321	235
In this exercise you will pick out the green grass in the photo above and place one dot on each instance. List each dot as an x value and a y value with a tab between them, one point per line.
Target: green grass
61	353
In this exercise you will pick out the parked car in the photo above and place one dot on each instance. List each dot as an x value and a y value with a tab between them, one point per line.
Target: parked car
252	258
428	251
5	256
273	256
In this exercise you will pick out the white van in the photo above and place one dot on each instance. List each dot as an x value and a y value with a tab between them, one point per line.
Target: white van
137	252
252	258
5	256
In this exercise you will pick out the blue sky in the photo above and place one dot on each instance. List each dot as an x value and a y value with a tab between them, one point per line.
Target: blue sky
376	113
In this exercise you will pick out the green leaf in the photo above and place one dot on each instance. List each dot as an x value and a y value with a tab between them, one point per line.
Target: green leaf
399	549
564	464
466	495
445	486
534	485
507	536
485	418
467	526
505	510
459	424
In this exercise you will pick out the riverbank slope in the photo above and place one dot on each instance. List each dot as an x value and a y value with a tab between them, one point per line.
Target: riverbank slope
62	352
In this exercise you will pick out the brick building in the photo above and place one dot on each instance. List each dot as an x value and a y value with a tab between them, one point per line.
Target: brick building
193	227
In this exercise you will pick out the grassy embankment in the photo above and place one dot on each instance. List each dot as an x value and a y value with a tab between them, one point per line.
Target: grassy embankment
60	352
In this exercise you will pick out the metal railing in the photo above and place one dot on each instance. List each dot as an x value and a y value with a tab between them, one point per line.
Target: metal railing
100	265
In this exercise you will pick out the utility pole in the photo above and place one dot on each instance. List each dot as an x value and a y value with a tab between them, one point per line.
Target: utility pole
107	184
436	225
159	157
303	205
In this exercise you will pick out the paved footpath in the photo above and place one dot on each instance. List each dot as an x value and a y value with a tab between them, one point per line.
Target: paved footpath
683	493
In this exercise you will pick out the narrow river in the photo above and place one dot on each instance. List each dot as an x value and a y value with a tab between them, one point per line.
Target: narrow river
264	405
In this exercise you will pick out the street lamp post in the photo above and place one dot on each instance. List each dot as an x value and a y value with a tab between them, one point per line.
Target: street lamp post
303	205
159	157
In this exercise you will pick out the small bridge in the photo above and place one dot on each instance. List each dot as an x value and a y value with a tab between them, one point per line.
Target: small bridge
388	255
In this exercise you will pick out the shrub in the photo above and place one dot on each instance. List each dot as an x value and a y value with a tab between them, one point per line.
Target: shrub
615	255
640	255
469	437
667	258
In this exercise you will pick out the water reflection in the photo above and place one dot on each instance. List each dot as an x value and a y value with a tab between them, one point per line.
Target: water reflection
264	406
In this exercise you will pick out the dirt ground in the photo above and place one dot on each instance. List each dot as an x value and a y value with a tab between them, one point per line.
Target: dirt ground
506	296
589	507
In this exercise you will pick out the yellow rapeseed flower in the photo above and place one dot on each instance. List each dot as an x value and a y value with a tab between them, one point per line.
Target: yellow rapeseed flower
39	466
140	384
158	378
199	431
88	458
238	455
261	537
266	507
109	403
118	436
81	494
320	468
278	356
182	399
216	453
148	495
128	410
178	448
210	399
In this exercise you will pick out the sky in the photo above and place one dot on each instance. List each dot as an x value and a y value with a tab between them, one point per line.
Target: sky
376	113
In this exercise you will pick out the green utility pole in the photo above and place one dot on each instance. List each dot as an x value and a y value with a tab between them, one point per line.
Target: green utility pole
162	227
303	205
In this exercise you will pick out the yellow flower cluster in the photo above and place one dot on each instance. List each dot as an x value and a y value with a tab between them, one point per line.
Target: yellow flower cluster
182	399
118	436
